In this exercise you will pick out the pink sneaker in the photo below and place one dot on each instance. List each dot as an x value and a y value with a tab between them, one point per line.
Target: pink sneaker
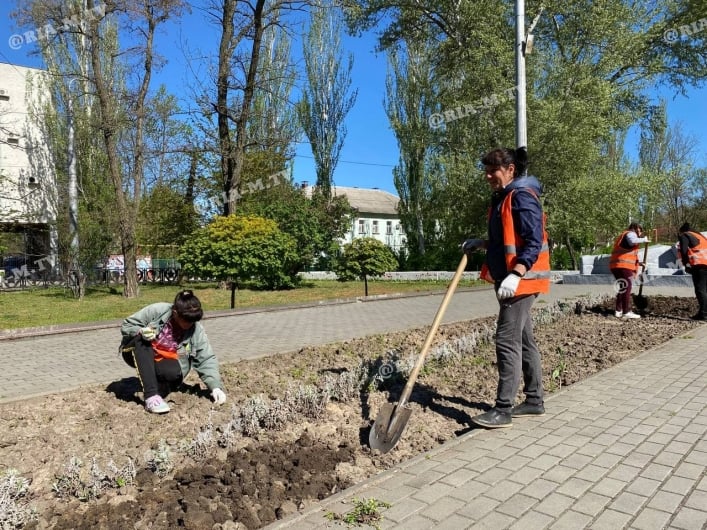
156	405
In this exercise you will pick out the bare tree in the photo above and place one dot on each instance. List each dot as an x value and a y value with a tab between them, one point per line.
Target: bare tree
118	80
117	108
243	26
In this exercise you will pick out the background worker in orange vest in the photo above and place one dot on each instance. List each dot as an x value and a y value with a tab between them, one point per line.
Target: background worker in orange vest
693	254
624	263
518	263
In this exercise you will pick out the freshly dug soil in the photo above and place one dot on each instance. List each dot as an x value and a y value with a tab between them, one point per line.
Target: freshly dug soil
185	476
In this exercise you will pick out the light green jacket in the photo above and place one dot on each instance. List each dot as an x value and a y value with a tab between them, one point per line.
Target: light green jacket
194	351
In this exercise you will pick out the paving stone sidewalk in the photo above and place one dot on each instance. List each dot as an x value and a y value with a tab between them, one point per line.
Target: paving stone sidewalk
624	449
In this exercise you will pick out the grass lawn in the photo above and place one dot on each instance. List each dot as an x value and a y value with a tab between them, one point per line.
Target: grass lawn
55	305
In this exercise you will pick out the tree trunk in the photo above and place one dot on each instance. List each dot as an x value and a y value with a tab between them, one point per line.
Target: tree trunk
238	154
234	287
226	48
570	250
110	105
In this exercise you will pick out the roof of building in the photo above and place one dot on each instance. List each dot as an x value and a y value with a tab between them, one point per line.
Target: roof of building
367	200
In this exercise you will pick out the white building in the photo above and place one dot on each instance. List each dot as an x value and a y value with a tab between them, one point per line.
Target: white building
376	215
27	175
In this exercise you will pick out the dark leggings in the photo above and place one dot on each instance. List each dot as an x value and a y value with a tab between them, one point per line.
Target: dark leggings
623	286
139	354
699	279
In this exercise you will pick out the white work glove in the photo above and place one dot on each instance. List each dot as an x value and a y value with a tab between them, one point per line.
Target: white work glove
148	333
508	287
470	245
219	396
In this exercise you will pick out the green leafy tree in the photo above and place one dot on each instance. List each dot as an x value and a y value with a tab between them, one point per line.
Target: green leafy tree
588	78
410	100
667	159
238	249
313	223
119	80
363	258
165	218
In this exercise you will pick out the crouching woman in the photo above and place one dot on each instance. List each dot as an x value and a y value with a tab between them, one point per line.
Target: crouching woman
163	342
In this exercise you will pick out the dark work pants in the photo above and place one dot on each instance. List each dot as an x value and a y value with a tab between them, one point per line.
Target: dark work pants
623	285
155	377
516	353
699	279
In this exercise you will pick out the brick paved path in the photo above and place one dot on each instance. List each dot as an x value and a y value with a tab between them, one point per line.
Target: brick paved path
74	358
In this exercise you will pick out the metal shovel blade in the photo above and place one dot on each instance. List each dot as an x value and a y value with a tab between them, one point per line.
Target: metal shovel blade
391	420
388	427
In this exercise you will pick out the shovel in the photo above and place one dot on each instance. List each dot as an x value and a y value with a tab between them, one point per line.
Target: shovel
640	301
392	419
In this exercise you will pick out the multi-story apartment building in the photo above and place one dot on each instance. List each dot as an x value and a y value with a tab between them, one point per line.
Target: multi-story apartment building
27	175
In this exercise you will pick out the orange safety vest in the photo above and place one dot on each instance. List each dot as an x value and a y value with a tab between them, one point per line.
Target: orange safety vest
537	278
623	258
697	255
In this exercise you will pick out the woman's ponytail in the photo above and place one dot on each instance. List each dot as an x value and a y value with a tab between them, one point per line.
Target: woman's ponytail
521	161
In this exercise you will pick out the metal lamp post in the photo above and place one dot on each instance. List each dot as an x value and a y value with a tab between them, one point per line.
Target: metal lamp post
521	120
523	46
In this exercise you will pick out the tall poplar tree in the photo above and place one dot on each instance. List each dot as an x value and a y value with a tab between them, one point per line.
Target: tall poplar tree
410	99
326	99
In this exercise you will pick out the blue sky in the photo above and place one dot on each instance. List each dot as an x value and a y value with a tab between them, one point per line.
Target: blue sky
370	150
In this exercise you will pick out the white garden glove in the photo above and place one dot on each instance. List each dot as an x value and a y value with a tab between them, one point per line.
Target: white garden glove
508	287
148	333
219	396
470	245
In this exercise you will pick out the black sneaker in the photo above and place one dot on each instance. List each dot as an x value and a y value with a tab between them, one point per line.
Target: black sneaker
493	419
527	409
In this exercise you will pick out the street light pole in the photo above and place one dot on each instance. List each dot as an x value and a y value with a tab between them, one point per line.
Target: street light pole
521	120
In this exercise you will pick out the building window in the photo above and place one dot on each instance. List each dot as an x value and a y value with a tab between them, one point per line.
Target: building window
361	226
389	228
4	96
13	141
375	227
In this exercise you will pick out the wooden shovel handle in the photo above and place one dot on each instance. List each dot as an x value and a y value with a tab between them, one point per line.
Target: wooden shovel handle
643	269
433	329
